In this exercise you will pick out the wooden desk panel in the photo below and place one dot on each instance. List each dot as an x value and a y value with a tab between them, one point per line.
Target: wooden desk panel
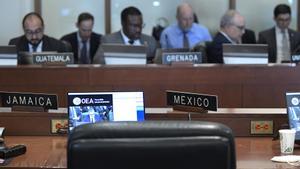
239	120
50	152
236	86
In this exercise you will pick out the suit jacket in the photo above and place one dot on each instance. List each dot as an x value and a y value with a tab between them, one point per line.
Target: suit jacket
269	37
49	44
94	43
117	38
215	49
249	37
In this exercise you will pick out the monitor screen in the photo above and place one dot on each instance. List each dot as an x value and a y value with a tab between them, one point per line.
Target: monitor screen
8	55
245	53
293	111
105	106
120	54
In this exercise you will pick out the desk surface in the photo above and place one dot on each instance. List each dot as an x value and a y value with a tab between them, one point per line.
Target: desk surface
50	152
247	86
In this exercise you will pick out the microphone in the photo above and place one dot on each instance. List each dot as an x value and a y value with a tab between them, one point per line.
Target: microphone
8	152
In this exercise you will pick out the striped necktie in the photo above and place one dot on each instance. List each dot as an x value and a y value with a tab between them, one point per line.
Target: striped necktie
185	40
285	47
84	59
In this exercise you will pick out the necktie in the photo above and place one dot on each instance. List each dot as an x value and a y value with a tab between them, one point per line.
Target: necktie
131	41
285	47
84	59
185	40
34	48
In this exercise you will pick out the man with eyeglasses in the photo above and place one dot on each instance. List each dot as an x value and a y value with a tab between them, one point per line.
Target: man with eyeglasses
84	42
232	28
281	40
34	39
130	34
185	33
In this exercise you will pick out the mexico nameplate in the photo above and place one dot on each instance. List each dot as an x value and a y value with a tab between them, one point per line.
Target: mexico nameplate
204	101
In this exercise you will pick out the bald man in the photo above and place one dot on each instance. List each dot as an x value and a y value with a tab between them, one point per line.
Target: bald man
34	39
185	33
232	28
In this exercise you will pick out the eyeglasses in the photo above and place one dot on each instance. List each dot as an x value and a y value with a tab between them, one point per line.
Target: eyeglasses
137	25
242	28
283	19
35	32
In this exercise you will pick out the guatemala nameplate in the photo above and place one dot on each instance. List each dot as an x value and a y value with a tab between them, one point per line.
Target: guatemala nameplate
52	58
195	100
46	101
171	57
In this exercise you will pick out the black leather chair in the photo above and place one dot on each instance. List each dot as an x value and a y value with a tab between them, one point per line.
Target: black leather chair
151	145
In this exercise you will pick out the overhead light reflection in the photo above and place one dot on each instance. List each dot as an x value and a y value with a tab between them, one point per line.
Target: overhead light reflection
156	3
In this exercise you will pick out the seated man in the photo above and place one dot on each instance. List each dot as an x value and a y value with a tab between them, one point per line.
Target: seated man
84	42
185	33
282	41
130	34
232	27
34	39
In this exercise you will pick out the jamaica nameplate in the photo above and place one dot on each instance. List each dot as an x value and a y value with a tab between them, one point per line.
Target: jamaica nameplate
203	101
46	101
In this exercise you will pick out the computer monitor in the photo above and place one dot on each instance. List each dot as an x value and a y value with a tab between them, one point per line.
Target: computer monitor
293	111
120	54
105	106
245	53
8	55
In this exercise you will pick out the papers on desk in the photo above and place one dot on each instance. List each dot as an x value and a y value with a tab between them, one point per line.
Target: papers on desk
293	160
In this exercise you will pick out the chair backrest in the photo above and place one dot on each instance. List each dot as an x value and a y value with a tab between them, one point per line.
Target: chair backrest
151	144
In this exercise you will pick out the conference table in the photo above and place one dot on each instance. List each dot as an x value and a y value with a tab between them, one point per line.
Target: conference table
47	150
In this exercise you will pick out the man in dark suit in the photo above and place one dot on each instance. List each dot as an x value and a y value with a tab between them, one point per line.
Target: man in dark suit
84	42
34	39
130	34
232	27
282	41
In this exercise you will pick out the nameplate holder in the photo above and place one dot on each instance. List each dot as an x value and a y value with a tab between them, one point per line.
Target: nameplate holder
189	109
182	64
32	102
169	58
191	102
28	109
50	58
